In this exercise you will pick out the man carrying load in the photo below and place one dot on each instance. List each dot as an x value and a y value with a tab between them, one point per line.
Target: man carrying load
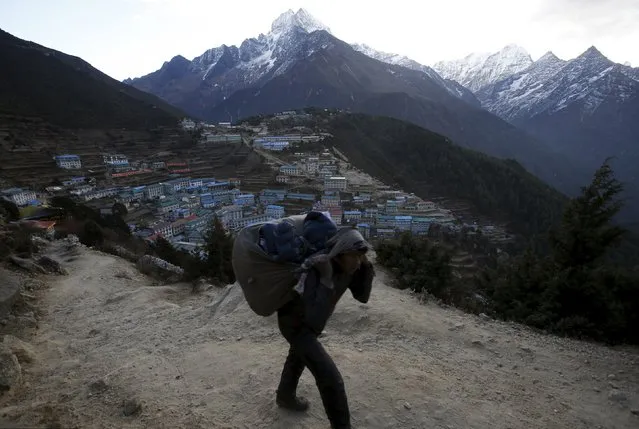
305	299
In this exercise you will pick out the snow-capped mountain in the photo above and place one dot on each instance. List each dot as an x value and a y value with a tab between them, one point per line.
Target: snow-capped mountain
270	53
516	95
478	70
219	72
451	86
632	73
198	85
586	108
550	85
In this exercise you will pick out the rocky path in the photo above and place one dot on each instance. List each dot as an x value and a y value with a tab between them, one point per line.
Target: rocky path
114	350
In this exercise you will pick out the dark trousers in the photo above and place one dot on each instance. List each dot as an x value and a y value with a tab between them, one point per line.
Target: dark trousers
307	352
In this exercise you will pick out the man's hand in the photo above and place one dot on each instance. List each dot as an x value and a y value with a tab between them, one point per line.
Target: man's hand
362	282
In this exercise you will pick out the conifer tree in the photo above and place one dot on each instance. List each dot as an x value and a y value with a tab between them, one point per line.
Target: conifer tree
587	230
219	247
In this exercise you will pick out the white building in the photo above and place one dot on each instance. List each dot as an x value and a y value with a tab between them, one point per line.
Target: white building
229	215
81	190
116	160
420	225
335	183
68	162
426	205
403	223
266	143
351	216
176	184
101	193
178	227
331	199
275	212
212	137
290	170
167	206
19	196
371	213
164	229
195	182
188	124
311	167
392	206
249	220
153	191
244	200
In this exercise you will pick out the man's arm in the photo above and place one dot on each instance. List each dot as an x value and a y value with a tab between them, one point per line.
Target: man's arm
317	299
362	282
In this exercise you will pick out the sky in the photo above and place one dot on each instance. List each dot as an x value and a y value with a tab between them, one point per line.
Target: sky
131	38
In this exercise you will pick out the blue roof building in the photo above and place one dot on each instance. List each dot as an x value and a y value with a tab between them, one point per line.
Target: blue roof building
68	162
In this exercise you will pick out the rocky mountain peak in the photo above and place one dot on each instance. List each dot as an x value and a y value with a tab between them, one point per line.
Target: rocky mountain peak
592	52
478	70
592	55
549	57
301	19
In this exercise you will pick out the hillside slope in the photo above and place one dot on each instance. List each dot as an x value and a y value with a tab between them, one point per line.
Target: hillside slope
430	165
64	90
109	334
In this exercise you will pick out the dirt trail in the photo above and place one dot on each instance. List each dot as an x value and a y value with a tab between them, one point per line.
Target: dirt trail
206	361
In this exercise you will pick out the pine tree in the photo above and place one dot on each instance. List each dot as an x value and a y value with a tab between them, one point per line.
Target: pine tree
587	230
165	250
572	289
8	210
219	248
119	209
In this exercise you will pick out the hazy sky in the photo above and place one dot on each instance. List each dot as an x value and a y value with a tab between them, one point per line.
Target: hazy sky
130	38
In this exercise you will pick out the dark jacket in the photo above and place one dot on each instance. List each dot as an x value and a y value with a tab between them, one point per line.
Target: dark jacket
321	300
321	294
318	302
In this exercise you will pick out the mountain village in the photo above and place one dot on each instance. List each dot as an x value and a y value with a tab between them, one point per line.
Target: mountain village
182	207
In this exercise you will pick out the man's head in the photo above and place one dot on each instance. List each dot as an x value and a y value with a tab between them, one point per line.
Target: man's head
353	251
350	261
347	248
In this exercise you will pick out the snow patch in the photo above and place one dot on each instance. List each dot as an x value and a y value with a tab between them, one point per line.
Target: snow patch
478	70
301	19
550	85
404	61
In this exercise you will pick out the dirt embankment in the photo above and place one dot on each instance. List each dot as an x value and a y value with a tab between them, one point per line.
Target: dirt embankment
115	350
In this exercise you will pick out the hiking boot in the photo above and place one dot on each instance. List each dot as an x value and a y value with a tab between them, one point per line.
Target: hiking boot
293	403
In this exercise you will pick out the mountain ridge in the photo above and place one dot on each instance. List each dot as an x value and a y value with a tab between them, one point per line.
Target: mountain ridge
219	72
67	91
584	107
450	85
478	70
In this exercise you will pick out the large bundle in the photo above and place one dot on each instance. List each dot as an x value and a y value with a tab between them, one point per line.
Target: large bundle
266	257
